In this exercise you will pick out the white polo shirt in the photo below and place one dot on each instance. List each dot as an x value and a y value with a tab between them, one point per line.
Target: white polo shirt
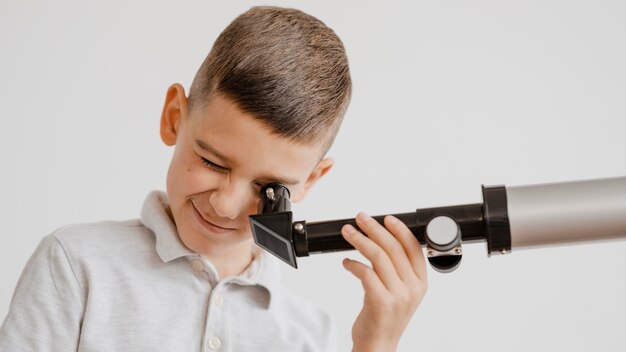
133	286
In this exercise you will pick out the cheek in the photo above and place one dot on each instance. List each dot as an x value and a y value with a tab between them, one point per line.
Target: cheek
187	177
252	208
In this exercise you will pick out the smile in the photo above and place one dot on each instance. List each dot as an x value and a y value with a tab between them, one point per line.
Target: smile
207	224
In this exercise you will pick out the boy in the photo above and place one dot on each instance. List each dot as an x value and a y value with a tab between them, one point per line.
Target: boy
264	107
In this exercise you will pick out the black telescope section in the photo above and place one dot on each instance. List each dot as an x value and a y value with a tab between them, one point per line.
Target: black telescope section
274	230
325	236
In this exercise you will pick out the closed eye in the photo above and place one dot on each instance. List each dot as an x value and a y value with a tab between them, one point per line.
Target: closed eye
213	166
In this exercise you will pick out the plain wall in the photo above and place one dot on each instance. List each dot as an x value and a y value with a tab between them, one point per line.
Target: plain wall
448	95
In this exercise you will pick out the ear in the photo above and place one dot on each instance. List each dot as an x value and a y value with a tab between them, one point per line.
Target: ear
174	111
320	170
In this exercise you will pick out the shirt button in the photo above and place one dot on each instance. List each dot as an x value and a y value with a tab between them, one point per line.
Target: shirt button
214	343
218	300
197	265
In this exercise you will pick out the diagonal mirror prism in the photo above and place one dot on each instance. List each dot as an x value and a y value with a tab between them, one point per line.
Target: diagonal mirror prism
272	232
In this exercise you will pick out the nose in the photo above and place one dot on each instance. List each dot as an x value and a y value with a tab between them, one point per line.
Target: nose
229	200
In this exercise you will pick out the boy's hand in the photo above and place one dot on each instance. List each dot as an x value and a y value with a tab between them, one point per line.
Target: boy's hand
394	285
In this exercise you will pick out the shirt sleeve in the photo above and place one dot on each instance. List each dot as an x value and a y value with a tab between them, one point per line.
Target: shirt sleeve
47	306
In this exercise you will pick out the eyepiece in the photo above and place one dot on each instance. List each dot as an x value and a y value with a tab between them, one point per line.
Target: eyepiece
274	198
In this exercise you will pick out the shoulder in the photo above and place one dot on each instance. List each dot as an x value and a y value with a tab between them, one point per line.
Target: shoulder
105	247
102	253
103	236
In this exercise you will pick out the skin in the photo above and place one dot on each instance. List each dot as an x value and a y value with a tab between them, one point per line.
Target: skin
252	156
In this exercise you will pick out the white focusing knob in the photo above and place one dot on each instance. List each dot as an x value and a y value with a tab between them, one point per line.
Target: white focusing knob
442	231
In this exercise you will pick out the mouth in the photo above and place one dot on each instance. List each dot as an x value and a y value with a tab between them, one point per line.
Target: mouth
212	227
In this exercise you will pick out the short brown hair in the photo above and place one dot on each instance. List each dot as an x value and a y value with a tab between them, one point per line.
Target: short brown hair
283	66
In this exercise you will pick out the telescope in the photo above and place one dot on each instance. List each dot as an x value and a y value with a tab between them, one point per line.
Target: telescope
509	218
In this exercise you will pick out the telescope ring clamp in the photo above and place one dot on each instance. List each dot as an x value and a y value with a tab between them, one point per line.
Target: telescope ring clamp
509	217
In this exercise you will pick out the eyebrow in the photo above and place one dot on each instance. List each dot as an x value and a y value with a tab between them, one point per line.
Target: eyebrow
208	148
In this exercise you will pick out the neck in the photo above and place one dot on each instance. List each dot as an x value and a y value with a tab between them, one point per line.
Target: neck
228	260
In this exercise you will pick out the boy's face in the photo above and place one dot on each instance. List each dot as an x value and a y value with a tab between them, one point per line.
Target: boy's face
222	158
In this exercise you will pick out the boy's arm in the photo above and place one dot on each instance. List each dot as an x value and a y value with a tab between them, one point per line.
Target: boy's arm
394	285
47	306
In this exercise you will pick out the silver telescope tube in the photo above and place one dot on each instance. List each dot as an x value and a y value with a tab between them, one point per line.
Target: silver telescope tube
567	212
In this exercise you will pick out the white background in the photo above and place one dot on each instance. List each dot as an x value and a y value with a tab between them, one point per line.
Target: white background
448	95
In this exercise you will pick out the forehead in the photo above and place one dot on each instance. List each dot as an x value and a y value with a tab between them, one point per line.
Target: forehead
247	143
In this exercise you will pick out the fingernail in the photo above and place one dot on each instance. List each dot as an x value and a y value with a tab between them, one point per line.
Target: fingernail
345	262
363	216
350	229
393	219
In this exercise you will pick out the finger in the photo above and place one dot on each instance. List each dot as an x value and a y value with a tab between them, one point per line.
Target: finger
411	245
401	254
381	263
394	249
369	280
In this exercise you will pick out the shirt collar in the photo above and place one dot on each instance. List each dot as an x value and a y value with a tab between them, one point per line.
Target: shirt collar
154	216
264	270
